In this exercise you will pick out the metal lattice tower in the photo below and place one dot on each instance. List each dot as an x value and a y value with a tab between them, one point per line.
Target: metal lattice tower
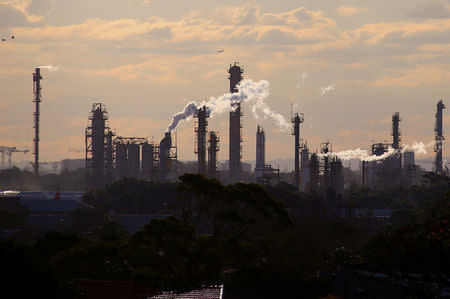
396	130
37	99
235	141
212	154
200	130
438	137
297	119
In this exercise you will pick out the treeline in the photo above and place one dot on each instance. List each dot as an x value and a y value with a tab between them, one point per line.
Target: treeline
262	243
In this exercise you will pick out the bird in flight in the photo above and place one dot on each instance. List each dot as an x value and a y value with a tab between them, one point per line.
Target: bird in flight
4	39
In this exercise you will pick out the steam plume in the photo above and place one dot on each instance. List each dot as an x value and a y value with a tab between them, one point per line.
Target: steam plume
359	154
186	114
417	147
50	68
249	91
328	89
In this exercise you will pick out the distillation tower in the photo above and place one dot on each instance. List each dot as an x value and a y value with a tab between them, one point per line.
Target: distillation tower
235	153
99	150
297	119
201	114
212	154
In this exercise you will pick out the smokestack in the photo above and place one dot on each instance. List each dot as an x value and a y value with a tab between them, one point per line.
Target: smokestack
297	120
235	153
37	99
438	137
200	150
260	152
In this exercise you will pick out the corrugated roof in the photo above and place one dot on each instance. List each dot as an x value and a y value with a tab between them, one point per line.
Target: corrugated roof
209	292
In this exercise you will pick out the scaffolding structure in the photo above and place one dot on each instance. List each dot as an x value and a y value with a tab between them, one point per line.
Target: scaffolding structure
8	151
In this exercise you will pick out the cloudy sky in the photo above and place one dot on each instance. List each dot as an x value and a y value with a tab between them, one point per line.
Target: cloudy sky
144	59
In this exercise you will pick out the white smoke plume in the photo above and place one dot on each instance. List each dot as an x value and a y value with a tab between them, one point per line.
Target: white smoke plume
419	148
359	154
249	91
186	114
50	68
328	89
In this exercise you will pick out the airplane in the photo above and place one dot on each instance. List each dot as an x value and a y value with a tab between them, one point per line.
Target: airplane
220	51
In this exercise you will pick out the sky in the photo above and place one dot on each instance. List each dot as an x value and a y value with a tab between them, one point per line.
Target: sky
347	65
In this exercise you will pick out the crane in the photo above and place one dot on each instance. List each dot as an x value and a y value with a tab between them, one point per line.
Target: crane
8	151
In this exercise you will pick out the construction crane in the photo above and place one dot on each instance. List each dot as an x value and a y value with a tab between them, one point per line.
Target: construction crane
8	151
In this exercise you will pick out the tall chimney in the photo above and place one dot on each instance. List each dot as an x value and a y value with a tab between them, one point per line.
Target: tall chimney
37	99
235	153
438	137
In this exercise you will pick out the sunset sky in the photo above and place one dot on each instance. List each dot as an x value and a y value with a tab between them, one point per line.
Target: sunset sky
145	59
